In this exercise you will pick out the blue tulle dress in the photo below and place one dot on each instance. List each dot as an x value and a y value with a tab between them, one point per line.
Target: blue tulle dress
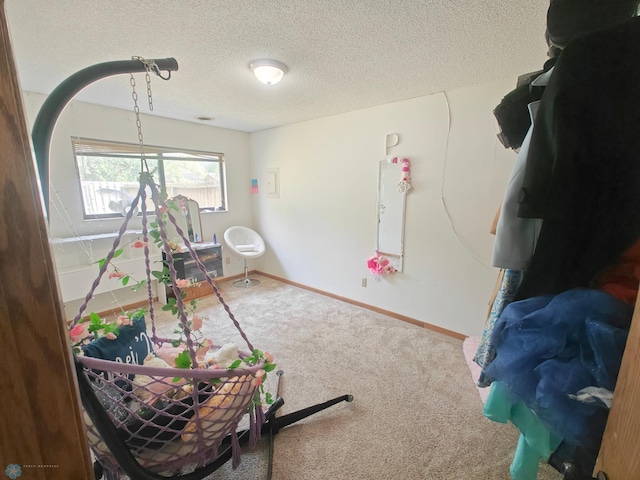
550	347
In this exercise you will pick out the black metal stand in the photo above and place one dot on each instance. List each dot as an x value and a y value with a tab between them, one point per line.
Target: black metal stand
572	472
576	462
274	424
279	374
58	99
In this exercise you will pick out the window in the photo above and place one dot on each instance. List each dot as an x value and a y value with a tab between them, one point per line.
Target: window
108	176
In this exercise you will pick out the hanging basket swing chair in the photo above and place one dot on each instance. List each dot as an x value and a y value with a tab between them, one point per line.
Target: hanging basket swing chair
156	422
171	417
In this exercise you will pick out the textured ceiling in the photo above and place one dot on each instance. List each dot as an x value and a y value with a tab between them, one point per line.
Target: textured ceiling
342	55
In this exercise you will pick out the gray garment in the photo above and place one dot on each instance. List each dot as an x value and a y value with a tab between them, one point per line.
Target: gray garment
516	237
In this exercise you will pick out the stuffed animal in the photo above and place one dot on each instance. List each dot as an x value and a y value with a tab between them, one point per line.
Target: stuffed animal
149	388
216	414
224	356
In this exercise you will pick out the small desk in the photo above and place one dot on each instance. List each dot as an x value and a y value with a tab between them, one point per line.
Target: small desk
210	254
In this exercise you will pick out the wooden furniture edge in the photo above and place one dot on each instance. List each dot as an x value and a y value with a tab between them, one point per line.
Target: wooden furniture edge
618	457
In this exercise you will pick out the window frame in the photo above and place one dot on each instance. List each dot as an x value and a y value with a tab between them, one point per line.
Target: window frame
88	147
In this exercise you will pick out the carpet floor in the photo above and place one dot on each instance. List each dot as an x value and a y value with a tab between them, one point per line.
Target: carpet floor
416	414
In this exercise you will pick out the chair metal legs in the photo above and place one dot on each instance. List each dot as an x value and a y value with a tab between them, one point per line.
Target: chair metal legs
246	282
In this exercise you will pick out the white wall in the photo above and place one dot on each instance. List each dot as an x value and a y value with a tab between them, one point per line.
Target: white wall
322	228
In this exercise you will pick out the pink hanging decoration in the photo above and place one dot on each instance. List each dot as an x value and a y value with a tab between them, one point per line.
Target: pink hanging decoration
405	181
380	265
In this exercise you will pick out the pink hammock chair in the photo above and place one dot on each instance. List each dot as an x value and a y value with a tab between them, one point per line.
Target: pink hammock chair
178	419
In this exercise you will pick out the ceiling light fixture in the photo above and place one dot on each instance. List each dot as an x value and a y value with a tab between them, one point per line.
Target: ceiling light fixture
268	72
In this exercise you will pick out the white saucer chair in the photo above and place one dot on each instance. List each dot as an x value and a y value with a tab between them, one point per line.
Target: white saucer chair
244	243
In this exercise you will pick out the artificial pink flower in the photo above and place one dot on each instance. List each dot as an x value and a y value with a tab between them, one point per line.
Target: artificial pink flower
257	380
379	264
204	348
139	244
117	274
196	322
169	353
372	264
124	320
78	333
268	357
111	336
182	283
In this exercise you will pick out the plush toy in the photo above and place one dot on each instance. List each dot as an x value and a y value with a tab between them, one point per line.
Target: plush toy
224	356
214	412
148	388
169	353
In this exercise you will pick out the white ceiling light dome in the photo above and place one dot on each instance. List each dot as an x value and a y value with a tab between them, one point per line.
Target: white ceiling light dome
268	72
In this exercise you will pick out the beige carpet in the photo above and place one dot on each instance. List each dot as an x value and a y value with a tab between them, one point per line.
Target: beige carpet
416	414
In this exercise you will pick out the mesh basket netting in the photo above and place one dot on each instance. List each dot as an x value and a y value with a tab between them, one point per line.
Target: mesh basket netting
171	418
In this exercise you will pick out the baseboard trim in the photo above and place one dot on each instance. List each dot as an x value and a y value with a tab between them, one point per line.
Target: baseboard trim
404	318
388	313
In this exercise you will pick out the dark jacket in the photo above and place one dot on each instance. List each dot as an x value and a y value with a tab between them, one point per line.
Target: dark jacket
583	168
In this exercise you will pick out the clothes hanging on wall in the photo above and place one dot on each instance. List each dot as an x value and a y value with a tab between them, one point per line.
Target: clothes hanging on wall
582	173
536	441
512	113
569	19
580	179
515	236
621	279
485	353
548	348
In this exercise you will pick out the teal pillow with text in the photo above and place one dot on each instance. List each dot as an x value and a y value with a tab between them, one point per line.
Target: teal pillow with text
132	345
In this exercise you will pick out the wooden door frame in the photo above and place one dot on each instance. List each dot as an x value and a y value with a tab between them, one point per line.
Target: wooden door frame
619	456
41	426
